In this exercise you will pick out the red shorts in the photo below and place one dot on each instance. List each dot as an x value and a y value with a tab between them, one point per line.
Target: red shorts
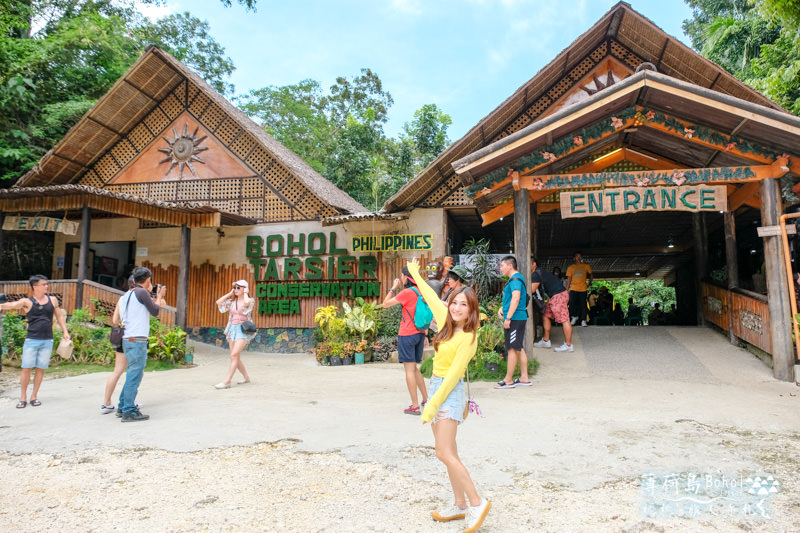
558	307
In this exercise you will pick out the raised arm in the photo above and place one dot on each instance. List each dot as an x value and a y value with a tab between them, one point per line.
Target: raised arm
438	307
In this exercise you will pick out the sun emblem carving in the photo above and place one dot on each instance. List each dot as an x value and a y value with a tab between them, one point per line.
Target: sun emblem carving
183	150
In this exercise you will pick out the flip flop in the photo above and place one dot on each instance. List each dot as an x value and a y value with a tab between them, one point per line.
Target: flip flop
36	403
503	385
519	383
21	404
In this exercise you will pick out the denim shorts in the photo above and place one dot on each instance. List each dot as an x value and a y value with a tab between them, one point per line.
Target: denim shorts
36	353
235	333
453	406
409	348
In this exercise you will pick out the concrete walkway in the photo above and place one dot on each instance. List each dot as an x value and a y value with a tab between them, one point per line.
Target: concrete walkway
627	400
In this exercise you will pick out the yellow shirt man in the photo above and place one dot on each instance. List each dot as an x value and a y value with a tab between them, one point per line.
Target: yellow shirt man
579	276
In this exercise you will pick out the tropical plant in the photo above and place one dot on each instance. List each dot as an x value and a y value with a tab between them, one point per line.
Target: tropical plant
483	274
490	336
361	318
324	316
166	343
383	347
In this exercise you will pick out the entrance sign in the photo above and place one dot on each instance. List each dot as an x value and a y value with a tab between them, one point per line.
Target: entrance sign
774	231
40	224
625	200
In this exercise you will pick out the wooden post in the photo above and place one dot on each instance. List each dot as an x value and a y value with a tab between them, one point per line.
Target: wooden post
732	259
181	306
83	255
777	284
522	251
700	260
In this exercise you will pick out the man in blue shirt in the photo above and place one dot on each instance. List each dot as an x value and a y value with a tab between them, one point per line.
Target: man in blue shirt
514	316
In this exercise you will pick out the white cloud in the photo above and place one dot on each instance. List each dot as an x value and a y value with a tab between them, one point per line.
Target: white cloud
413	7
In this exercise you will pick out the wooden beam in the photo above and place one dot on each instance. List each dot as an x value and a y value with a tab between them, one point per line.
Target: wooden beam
742	194
505	209
652	177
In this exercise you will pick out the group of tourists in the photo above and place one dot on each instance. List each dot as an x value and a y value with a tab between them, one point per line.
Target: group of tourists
132	312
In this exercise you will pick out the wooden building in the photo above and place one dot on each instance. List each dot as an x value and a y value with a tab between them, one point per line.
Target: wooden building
630	122
164	172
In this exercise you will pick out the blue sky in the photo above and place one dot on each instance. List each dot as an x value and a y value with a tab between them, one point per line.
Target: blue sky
465	56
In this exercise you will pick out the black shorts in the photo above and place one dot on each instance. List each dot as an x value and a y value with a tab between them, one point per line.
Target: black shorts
515	334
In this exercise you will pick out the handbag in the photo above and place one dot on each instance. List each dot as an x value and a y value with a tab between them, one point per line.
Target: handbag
249	327
65	347
471	404
538	302
115	336
118	332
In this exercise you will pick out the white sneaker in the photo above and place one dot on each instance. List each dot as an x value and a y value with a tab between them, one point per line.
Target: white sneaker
574	320
476	516
541	344
565	348
454	512
583	323
105	409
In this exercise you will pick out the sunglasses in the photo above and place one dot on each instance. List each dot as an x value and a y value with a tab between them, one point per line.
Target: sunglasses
237	287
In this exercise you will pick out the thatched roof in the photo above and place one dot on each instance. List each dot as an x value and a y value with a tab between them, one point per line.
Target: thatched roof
59	198
622	33
146	84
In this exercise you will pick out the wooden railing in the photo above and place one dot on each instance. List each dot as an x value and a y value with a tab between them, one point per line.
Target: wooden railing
747	312
66	290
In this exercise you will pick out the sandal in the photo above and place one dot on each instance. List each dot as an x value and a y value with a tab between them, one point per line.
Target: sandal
36	403
21	404
411	410
503	385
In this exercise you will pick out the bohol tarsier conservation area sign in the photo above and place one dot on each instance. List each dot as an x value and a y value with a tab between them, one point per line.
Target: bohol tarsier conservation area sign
313	266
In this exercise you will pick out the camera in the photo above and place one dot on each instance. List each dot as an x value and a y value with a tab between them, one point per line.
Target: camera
155	290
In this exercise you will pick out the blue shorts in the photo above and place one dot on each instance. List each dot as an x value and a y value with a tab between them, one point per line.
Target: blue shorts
235	333
409	348
453	406
36	353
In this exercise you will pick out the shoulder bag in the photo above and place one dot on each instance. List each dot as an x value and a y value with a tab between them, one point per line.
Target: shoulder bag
118	332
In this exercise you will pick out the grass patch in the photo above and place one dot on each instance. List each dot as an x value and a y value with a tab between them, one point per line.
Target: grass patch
65	370
478	372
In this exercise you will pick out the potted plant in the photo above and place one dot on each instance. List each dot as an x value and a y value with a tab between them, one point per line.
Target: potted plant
348	351
491	360
362	319
361	347
323	353
336	350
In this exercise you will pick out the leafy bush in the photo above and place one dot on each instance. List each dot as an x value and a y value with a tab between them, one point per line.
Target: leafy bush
14	330
383	347
390	321
482	274
166	344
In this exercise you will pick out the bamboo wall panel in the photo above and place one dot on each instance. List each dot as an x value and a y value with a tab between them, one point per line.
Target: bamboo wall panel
751	319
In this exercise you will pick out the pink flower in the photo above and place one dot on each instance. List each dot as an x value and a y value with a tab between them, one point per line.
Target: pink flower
650	115
616	122
643	182
678	178
730	146
578	140
688	133
538	184
549	156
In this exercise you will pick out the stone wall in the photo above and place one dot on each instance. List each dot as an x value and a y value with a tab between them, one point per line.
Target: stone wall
271	340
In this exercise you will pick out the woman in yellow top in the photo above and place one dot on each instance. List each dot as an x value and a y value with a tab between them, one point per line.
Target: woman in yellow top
455	344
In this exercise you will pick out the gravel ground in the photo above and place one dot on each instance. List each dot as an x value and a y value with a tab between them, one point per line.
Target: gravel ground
544	473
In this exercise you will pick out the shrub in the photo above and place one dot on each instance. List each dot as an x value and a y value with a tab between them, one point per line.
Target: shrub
383	347
390	321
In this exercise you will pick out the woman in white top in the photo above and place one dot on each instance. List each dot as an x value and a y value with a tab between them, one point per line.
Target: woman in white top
240	305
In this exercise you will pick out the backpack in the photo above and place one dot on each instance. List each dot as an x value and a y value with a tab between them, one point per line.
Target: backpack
422	314
524	289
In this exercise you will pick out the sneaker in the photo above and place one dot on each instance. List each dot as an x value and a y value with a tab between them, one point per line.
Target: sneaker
134	417
222	385
105	409
565	348
583	323
541	344
476	515
137	405
454	512
574	320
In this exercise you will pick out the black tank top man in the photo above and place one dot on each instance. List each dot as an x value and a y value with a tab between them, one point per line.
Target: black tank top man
40	320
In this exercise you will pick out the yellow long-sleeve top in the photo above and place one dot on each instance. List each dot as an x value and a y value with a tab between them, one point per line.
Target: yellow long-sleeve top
451	359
